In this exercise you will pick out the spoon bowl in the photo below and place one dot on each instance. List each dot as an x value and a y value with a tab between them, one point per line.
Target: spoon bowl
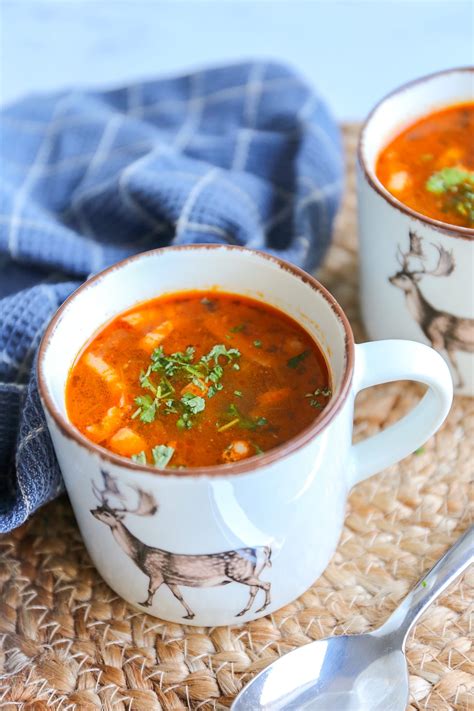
366	672
347	673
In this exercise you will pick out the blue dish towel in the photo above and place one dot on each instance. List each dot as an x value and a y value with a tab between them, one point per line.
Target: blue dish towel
245	154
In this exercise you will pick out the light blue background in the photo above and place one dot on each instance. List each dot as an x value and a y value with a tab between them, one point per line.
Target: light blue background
354	52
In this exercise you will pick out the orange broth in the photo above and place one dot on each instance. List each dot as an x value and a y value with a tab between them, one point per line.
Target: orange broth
429	166
197	379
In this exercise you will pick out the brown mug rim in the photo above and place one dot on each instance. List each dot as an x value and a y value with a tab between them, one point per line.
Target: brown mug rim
213	471
445	227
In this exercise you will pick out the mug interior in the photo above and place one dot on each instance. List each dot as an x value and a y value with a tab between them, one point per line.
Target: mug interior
200	267
408	104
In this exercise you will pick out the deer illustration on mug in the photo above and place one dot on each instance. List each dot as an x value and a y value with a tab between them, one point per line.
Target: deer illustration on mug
446	332
243	565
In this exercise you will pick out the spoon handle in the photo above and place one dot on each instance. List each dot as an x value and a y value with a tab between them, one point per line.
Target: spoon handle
447	569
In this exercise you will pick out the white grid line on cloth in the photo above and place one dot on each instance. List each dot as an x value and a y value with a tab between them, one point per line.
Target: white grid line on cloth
76	161
332	146
161	106
194	106
103	148
252	205
13	386
232	92
191	199
213	229
128	198
31	176
252	96
316	195
31	435
45	226
8	360
100	156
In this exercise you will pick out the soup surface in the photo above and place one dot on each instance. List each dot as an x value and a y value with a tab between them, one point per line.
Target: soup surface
197	379
430	165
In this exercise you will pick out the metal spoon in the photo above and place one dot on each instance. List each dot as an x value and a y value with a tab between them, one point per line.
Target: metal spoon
365	672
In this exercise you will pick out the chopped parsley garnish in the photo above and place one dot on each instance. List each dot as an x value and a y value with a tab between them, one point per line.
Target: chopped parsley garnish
162	455
237	393
257	343
315	397
205	374
146	408
297	359
193	403
235	417
456	188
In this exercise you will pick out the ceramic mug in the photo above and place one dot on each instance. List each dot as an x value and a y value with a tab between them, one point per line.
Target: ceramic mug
428	299
223	544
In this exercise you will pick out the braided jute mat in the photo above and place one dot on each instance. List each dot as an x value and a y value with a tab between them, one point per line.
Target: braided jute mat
68	642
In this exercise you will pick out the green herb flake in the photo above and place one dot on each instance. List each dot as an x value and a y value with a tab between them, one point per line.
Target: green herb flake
419	451
424	584
319	393
297	359
257	343
205	373
139	458
455	187
238	329
162	455
244	422
146	408
194	403
237	393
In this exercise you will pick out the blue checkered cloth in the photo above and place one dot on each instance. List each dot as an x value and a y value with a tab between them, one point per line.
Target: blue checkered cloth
246	154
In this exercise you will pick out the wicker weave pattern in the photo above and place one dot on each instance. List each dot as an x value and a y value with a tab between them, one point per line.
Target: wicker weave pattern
69	643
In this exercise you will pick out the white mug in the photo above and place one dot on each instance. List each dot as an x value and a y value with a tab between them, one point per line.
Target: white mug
416	273
229	543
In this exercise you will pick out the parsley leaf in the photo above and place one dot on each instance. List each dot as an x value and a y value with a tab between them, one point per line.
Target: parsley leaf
246	423
297	359
162	455
257	343
146	408
194	403
220	350
455	186
139	458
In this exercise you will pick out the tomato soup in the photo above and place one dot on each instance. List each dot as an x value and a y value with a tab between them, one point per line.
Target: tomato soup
197	379
430	165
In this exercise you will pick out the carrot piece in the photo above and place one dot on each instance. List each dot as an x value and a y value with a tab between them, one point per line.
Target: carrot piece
238	449
273	397
156	336
105	371
195	389
127	442
107	426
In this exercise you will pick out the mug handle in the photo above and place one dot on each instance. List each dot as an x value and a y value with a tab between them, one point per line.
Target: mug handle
383	362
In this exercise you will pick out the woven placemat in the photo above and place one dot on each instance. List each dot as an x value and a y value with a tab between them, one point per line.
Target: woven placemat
68	642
